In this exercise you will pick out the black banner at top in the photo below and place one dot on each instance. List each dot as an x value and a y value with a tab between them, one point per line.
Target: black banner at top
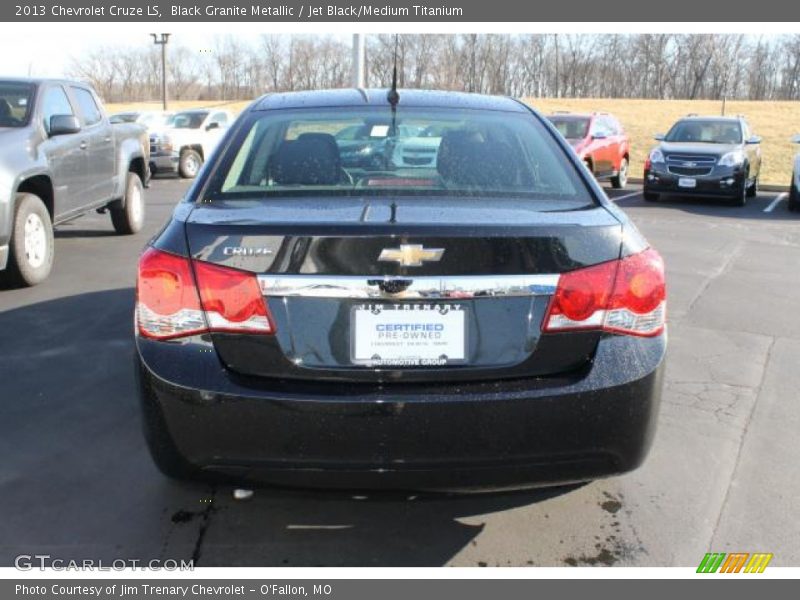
611	11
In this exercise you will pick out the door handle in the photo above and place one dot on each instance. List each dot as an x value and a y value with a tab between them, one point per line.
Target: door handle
108	139
83	146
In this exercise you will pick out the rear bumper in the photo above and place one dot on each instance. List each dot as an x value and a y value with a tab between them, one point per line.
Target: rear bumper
720	183
483	435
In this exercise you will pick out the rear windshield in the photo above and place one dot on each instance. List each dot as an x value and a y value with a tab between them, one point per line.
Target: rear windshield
707	132
189	120
363	151
16	101
572	128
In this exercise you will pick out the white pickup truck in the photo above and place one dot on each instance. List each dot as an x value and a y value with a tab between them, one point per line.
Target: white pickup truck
185	145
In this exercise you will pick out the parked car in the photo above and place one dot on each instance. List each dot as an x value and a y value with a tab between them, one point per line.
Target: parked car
492	320
59	158
153	120
364	145
420	149
188	141
599	141
705	156
794	186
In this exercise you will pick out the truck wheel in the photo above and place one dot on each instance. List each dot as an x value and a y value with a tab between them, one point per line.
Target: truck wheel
128	216
31	247
740	199
190	164
620	180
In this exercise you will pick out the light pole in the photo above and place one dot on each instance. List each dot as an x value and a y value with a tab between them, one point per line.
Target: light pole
163	43
359	50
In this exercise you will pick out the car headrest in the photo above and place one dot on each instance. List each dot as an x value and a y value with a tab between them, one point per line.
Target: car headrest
311	159
5	108
465	158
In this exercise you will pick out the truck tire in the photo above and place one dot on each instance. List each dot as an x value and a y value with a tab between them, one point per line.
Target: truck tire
794	198
31	248
650	196
189	164
128	216
620	180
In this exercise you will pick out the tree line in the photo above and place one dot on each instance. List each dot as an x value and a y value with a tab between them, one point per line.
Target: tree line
690	66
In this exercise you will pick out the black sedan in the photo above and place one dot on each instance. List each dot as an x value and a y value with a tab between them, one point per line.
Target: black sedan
705	156
490	320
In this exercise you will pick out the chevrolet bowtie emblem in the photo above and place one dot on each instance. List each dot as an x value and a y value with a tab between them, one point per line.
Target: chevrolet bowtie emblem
411	255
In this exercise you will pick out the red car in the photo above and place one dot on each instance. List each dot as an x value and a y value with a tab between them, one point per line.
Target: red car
600	141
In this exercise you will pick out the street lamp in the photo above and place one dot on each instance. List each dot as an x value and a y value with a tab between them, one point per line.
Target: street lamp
163	43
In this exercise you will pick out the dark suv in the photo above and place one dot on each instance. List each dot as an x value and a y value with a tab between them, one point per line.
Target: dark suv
705	156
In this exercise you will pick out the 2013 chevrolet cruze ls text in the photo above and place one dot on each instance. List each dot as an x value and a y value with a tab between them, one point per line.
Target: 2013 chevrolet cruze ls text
487	319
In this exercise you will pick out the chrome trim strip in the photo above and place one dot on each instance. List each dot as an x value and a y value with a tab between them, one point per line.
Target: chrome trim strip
398	287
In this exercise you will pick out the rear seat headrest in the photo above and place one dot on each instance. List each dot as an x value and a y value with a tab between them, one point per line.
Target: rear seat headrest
466	158
311	159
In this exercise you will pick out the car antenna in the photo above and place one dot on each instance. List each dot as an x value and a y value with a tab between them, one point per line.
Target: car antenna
393	97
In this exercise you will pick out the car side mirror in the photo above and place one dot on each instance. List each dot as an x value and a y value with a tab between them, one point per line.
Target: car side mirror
796	139
212	125
659	137
64	125
753	140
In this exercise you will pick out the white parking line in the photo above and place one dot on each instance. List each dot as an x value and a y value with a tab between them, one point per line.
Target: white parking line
775	202
617	198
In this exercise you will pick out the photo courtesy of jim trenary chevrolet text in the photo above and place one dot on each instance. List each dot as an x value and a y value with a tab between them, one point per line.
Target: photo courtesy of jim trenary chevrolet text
314	299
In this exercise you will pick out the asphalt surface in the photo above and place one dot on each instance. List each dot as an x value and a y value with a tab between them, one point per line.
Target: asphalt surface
76	480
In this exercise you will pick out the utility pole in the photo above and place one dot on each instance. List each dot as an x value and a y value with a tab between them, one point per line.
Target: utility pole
163	43
359	52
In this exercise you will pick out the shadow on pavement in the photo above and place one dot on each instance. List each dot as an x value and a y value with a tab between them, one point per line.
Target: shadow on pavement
77	482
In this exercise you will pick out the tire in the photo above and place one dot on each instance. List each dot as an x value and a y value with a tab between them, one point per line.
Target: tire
752	191
164	452
31	248
794	197
650	196
128	216
620	180
190	164
740	199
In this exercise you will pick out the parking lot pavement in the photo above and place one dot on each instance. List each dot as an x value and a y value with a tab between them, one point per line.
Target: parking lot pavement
76	480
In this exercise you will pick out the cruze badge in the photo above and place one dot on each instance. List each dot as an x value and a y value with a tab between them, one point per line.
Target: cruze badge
411	255
245	251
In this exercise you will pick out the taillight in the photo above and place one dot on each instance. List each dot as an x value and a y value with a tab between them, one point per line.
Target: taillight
623	296
173	301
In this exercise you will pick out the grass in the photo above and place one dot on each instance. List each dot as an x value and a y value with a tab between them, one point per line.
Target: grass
775	122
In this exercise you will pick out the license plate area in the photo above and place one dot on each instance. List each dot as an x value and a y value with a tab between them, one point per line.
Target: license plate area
687	182
408	335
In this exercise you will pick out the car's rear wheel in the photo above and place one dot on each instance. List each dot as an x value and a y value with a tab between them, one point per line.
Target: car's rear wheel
620	180
31	248
190	163
163	450
650	196
128	216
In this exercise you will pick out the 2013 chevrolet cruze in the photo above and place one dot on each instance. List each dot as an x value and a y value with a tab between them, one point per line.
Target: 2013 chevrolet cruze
484	319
